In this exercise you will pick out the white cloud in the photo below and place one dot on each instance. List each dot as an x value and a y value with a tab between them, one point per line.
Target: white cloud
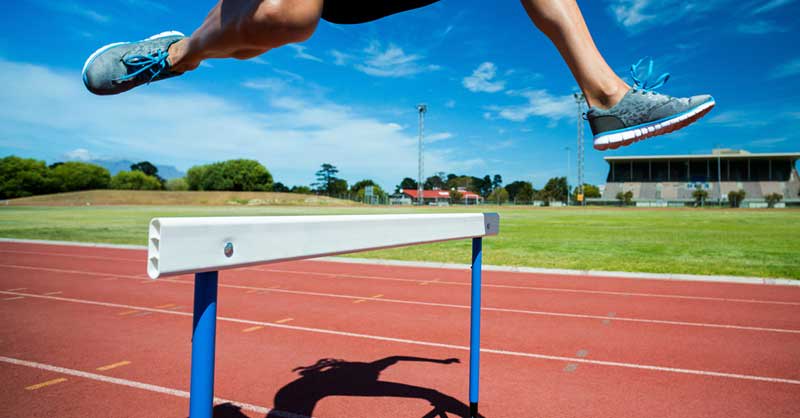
339	57
76	9
481	79
788	69
769	142
635	15
540	103
450	104
438	137
773	4
300	52
760	27
80	154
292	135
392	62
738	119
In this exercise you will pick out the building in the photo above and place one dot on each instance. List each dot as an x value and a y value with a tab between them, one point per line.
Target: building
670	179
442	197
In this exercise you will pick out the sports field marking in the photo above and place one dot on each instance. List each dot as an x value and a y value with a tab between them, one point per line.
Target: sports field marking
485	285
14	298
114	365
16	289
168	305
251	329
52	293
284	320
534	288
359	300
47	383
538	356
129	383
604	319
377	296
133	311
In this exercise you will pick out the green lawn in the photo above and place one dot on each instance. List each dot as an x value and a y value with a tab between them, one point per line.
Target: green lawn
764	243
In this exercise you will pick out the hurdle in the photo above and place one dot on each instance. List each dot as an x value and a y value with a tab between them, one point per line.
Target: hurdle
204	246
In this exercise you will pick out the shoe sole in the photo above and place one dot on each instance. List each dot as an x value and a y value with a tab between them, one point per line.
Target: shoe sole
637	133
103	49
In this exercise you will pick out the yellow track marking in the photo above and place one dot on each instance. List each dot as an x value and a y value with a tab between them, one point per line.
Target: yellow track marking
251	291
47	383
52	293
251	329
114	365
16	289
359	301
284	320
15	298
169	305
127	312
377	296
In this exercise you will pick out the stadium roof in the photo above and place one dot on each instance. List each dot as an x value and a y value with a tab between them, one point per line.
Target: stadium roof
722	155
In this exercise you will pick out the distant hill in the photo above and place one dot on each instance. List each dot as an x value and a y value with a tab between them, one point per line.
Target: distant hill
165	171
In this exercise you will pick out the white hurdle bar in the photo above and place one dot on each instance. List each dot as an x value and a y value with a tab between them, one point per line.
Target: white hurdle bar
203	246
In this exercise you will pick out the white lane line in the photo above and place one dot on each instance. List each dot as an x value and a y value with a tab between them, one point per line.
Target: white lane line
485	284
533	288
438	345
90	257
125	382
605	319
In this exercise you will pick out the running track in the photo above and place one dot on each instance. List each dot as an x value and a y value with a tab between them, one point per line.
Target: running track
85	333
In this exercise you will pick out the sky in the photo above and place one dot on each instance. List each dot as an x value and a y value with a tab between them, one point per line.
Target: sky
499	95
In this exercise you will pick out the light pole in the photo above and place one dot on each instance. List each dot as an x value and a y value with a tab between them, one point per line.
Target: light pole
421	108
579	100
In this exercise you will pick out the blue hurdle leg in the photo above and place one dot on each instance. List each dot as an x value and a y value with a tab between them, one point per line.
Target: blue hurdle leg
475	327
201	400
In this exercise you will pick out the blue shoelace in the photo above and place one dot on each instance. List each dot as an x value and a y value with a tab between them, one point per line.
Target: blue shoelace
156	63
645	83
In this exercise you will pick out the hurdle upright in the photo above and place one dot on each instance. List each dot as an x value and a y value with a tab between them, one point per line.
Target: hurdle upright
203	246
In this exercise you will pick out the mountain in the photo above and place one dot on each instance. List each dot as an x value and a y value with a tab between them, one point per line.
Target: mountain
165	171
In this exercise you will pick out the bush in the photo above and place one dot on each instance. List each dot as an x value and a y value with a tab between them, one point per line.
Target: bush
498	196
773	198
177	185
626	198
134	180
75	176
231	175
20	177
456	196
301	190
700	196
735	198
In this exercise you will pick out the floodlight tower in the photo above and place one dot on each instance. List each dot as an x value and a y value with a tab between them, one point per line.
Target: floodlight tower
579	100
421	108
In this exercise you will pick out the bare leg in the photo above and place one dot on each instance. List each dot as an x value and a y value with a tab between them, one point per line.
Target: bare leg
244	29
562	22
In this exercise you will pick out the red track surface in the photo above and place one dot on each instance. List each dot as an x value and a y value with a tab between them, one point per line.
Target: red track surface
554	346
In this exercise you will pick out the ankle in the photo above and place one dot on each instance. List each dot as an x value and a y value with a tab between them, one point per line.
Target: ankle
179	60
608	96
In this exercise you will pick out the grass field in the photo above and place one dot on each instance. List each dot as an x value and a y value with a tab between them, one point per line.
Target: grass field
763	243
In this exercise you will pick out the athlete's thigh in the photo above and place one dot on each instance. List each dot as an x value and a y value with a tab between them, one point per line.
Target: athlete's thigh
360	11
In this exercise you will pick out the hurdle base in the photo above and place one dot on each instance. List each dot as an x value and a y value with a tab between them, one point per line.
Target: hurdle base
473	410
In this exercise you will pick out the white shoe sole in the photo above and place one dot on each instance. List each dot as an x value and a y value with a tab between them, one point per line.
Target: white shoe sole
618	139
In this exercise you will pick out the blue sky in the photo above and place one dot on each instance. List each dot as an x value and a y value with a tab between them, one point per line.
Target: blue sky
499	95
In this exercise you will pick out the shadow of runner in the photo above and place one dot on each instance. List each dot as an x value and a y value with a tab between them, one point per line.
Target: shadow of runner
332	377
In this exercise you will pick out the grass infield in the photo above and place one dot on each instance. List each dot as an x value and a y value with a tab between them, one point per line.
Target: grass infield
761	243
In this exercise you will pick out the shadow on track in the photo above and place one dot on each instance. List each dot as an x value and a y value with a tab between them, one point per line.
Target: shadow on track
332	377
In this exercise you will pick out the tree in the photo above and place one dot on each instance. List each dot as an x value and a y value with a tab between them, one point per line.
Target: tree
497	181
147	168
326	177
456	196
231	175
465	182
772	199
434	182
524	194
177	185
555	190
134	180
589	190
485	186
407	184
279	188
626	198
337	187
735	198
20	177
700	196
75	176
301	190
498	195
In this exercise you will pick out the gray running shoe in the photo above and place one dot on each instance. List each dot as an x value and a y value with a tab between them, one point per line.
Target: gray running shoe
643	113
121	66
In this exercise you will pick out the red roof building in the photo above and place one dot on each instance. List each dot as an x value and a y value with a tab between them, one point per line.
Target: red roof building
439	195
